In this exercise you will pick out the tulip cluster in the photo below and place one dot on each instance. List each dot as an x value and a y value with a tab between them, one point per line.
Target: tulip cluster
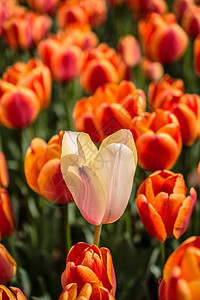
161	195
112	107
25	89
62	52
42	170
169	94
25	29
162	39
101	65
181	273
89	273
82	12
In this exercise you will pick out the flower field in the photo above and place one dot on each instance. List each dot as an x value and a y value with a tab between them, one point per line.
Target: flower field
100	149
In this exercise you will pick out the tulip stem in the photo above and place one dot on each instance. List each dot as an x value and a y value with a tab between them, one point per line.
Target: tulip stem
165	251
66	99
97	234
67	231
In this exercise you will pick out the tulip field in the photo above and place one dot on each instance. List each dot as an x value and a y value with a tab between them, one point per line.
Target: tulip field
100	149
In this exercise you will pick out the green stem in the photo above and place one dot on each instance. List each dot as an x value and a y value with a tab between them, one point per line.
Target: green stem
165	252
128	220
97	234
67	228
66	99
20	137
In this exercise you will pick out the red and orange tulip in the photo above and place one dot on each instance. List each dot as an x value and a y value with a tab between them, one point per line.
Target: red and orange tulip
161	195
6	294
89	267
7	267
129	49
191	20
158	139
6	215
111	108
42	170
181	273
141	7
162	39
4	176
92	290
197	55
43	6
151	70
198	170
180	6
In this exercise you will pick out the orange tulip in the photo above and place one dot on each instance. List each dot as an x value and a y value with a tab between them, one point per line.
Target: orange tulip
6	294
166	88
42	170
151	70
43	6
6	214
181	273
25	30
161	195
129	49
158	139
7	267
187	110
191	20
4	176
180	6
162	39
111	108
101	65
92	290
197	55
91	268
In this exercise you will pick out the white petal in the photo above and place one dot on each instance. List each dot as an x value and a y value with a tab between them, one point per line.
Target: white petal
87	192
123	136
69	143
115	167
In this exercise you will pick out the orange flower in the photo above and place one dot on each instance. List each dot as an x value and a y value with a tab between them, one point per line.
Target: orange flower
99	66
162	39
158	139
191	20
151	70
92	290
111	108
197	55
6	294
129	49
187	110
6	214
42	170
166	88
4	176
181	273
198	170
25	30
161	195
89	268
7	267
180	6
43	6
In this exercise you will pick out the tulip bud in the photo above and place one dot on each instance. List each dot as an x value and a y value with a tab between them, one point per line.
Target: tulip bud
4	176
129	49
7	266
151	70
6	214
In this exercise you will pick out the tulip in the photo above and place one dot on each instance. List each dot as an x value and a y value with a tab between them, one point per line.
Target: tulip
181	273
141	7
111	108
166	88
197	55
99	66
129	49
6	214
187	110
162	39
7	267
151	70
161	195
4	176
43	6
158	139
42	170
6	294
91	269
191	20
100	181
180	6
198	170
91	290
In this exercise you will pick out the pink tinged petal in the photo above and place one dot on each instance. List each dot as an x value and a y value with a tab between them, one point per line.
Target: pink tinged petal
151	219
115	167
87	192
184	214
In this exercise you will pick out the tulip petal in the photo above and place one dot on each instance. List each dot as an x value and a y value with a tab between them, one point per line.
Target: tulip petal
151	219
115	167
87	192
69	143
